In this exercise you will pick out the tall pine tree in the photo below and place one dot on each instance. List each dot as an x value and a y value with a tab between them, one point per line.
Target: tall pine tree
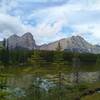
5	53
59	48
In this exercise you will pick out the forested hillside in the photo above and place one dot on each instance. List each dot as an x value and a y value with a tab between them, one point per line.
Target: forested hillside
30	57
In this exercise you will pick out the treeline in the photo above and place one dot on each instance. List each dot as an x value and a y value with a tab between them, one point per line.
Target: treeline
18	57
14	57
65	57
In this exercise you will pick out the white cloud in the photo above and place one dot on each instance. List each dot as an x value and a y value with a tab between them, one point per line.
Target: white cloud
81	15
10	23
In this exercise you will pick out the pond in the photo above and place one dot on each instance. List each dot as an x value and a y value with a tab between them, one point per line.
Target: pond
31	84
23	86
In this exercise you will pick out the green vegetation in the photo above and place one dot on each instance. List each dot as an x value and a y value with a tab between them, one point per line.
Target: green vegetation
1	45
53	63
30	57
95	96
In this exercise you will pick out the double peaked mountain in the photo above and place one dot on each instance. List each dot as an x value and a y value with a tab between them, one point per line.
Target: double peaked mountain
24	42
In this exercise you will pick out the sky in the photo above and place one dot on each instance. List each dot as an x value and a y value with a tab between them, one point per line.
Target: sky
51	20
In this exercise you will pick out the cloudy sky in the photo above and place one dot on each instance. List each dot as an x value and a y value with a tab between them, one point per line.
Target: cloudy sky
50	20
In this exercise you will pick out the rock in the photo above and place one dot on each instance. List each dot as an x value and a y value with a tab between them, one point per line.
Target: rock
74	44
13	41
24	42
27	41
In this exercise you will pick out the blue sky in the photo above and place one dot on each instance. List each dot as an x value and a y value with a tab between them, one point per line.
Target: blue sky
50	20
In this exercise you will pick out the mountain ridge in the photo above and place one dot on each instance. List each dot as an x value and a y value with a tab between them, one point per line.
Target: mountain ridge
73	43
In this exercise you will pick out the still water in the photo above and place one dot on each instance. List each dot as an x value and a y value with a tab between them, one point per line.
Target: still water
22	86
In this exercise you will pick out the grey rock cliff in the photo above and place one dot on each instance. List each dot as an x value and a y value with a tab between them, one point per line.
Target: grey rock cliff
26	41
74	43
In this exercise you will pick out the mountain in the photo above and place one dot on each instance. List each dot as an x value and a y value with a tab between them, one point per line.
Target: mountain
74	43
24	42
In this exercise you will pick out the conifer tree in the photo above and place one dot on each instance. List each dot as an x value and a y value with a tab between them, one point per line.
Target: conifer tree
5	53
98	61
59	47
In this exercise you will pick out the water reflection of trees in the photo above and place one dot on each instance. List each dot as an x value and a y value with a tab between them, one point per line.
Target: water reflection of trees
76	66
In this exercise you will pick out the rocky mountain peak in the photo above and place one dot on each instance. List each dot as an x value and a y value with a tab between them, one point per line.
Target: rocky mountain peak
28	34
74	43
26	41
14	36
77	38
